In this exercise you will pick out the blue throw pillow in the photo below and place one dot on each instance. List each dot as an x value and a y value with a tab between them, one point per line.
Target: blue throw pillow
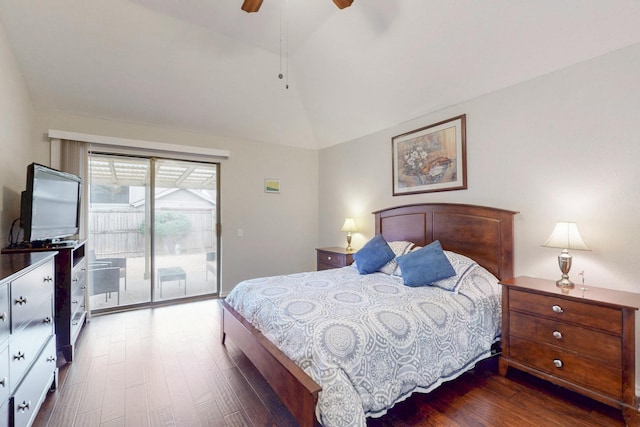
426	265
373	255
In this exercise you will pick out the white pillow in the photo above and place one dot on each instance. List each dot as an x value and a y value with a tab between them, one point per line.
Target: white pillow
399	247
462	265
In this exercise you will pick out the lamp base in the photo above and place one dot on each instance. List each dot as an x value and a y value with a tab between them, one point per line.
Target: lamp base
564	261
565	283
349	248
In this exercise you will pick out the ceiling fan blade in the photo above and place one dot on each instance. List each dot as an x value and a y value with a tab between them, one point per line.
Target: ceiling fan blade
343	3
251	5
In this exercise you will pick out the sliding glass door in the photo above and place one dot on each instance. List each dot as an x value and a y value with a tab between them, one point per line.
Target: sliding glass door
152	230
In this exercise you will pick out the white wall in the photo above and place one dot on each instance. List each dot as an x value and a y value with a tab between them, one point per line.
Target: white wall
560	147
16	117
280	231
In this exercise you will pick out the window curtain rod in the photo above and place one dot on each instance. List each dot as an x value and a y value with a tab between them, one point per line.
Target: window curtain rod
133	146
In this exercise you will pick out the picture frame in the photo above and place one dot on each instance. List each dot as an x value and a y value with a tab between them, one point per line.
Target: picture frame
432	158
271	185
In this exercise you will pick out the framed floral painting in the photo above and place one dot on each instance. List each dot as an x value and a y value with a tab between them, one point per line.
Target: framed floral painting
432	158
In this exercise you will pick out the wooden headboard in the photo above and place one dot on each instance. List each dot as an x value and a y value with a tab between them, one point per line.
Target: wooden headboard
482	233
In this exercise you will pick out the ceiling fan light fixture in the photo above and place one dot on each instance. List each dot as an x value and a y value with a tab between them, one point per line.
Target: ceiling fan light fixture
251	5
343	3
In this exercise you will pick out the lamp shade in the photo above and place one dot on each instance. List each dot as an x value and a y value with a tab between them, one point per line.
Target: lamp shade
565	235
349	226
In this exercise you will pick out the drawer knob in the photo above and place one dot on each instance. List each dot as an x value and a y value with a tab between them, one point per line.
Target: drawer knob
24	406
19	356
3	316
557	335
47	320
51	359
21	300
75	279
3	382
557	363
75	301
48	279
557	309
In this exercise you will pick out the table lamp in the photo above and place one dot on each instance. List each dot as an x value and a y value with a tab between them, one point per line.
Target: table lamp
350	227
565	236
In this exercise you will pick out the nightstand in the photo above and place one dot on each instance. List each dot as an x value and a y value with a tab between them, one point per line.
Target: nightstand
333	258
581	340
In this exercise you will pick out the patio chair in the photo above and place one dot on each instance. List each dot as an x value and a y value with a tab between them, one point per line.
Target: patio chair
212	264
104	280
120	263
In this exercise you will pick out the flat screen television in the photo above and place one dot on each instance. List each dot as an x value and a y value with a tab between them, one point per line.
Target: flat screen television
50	206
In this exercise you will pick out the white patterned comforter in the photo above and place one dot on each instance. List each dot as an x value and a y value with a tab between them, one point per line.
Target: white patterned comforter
368	340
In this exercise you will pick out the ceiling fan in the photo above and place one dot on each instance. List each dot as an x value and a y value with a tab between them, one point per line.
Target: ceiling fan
254	5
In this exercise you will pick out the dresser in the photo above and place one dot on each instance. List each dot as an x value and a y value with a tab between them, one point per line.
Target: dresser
583	340
28	366
70	286
333	258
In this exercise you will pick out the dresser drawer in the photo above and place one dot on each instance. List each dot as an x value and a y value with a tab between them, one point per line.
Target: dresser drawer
77	301
598	345
4	375
595	316
24	347
4	313
79	278
578	370
33	390
77	321
4	413
28	292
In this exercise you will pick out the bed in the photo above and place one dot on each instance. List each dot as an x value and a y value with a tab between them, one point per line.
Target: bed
480	233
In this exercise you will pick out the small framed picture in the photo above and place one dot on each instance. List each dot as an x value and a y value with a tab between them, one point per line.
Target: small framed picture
271	185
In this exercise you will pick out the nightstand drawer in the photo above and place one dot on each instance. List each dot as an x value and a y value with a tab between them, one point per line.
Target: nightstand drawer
333	258
604	318
568	366
603	347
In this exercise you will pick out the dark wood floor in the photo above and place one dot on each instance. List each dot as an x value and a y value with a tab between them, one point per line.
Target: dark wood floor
166	367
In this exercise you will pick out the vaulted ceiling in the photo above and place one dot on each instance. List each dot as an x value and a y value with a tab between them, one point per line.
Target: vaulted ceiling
207	66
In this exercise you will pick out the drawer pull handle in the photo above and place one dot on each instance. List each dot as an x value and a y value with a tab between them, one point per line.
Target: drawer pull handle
557	335
3	382
47	320
74	323
83	287
21	300
557	309
24	406
48	279
3	316
51	359
75	279
557	363
19	356
75	301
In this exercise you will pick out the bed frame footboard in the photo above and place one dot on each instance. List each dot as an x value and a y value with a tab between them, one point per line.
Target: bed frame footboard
297	390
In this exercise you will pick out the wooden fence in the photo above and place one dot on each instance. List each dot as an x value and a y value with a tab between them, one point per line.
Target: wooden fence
114	232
